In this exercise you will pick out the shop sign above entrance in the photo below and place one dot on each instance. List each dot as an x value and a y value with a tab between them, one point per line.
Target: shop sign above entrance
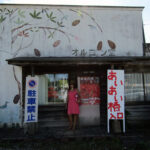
115	96
31	100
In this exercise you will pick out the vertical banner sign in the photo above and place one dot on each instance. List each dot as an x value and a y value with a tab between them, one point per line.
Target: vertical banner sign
115	96
31	100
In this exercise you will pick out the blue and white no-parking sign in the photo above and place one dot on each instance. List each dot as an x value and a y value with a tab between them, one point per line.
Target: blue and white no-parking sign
31	101
32	83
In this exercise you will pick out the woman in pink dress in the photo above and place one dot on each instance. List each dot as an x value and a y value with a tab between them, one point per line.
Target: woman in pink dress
73	106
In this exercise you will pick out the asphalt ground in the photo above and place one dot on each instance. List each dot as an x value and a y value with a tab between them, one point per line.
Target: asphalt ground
91	138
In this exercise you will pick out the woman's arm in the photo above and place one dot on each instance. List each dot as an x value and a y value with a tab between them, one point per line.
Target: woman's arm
67	101
78	100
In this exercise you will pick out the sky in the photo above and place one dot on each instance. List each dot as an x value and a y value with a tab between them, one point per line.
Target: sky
143	3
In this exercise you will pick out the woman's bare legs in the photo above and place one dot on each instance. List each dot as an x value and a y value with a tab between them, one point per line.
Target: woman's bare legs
75	121
70	121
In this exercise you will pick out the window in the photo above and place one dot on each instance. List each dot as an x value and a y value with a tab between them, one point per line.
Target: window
134	90
147	86
53	88
57	87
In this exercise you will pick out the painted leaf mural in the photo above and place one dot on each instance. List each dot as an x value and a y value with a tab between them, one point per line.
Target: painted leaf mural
60	24
56	43
111	44
51	17
37	52
80	13
2	19
75	22
92	18
21	13
35	15
99	45
19	21
16	99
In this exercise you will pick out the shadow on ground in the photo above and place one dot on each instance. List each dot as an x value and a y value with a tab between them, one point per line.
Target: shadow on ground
87	138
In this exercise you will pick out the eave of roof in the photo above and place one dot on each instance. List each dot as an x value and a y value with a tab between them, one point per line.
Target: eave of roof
54	61
68	5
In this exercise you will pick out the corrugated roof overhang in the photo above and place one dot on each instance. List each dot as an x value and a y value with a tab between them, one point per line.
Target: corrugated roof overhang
65	61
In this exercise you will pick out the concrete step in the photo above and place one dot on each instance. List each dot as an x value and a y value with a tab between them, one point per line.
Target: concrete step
51	115
54	118
51	106
49	124
51	109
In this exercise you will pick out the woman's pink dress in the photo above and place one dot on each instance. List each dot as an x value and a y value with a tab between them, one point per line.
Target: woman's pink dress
73	106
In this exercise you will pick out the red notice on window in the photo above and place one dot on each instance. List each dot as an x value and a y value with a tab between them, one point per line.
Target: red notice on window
89	90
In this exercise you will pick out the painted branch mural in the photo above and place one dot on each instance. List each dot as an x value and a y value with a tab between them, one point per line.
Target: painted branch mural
26	28
53	32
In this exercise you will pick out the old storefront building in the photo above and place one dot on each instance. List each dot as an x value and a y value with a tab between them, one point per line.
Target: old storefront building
58	44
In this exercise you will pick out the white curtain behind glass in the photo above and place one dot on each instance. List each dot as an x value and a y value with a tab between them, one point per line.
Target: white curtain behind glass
43	90
147	86
53	88
134	87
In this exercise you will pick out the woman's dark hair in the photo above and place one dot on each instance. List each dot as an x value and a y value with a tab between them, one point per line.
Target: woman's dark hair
72	83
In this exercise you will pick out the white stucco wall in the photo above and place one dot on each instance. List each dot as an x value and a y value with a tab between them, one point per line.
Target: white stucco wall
72	31
10	110
38	31
89	115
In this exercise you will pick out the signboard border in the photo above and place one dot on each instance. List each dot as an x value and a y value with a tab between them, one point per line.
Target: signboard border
108	120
